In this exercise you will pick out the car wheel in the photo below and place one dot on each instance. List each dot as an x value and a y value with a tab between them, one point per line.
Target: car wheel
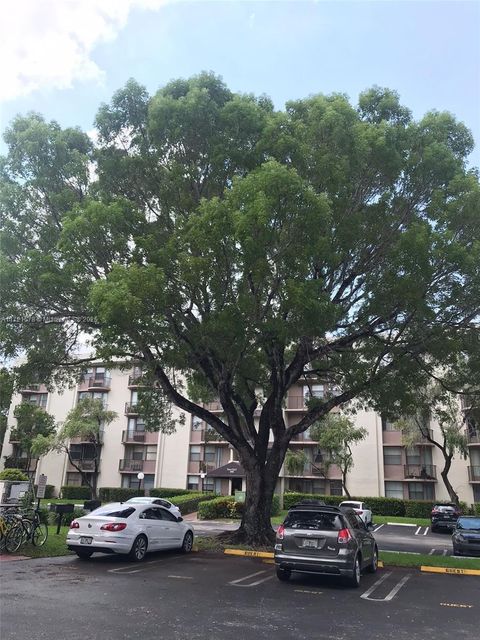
84	555
139	549
283	574
187	542
373	566
354	580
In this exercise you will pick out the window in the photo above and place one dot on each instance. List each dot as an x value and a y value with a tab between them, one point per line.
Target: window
195	453
192	482
167	516
210	453
73	479
196	423
313	520
392	455
318	487
476	492
151	452
336	488
314	391
116	513
208	484
388	425
151	514
130	481
420	491
394	489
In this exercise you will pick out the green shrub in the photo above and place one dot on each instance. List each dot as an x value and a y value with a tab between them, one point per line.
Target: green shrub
189	503
13	474
49	491
423	508
227	507
170	493
66	517
118	494
476	509
76	493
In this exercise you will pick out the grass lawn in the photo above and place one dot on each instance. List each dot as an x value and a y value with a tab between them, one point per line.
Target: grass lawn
45	501
54	546
391	558
420	522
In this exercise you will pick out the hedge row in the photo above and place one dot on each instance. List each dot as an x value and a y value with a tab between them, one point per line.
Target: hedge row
118	494
379	505
227	507
75	493
170	493
190	502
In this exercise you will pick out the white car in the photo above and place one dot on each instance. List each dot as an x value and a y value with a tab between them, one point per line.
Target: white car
133	530
360	509
161	501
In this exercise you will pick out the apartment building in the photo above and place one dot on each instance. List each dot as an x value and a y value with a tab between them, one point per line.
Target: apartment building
196	457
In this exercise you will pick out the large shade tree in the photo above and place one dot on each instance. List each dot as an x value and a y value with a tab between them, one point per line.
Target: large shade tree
209	235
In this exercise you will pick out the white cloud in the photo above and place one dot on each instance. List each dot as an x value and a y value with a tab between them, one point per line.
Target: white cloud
49	43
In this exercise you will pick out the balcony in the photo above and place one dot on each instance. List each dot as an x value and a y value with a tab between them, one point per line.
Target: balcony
135	466
33	387
214	407
474	474
139	437
131	409
99	382
473	437
420	472
136	380
316	470
20	463
423	438
199	466
85	464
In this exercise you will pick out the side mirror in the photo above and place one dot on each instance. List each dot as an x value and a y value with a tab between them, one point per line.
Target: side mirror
180	519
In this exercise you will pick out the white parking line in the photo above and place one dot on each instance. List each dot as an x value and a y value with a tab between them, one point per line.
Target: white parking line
378	527
181	577
426	531
375	585
396	588
128	569
418	530
390	595
401	524
251	575
444	552
431	552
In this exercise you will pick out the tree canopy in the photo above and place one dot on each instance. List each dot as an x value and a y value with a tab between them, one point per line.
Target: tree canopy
209	234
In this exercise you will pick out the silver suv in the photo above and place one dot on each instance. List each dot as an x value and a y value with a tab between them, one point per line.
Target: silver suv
321	539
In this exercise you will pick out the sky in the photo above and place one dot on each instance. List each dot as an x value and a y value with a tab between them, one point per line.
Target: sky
63	58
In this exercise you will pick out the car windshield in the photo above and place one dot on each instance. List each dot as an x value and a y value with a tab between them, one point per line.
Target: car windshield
445	507
320	521
469	523
353	505
140	500
113	512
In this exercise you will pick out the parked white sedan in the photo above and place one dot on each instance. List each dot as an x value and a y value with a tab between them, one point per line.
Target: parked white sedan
360	508
130	529
163	502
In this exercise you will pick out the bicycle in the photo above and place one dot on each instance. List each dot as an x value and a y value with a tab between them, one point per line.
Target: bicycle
26	530
8	517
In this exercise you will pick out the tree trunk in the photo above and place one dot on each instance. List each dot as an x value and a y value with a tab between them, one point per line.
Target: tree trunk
344	483
256	528
444	473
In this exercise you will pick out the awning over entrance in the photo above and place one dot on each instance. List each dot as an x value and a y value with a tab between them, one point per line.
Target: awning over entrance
231	470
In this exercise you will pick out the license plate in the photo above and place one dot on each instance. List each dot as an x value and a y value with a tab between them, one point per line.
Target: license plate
311	544
86	540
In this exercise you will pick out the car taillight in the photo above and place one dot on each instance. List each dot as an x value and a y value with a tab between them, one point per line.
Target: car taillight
280	532
74	525
359	511
114	526
434	511
344	536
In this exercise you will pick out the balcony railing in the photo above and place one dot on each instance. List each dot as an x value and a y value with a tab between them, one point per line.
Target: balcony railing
131	408
20	463
136	380
474	474
133	436
309	469
420	471
473	437
99	382
134	466
210	435
85	464
423	439
299	402
214	407
31	388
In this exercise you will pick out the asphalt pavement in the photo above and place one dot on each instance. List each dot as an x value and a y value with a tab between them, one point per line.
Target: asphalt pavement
204	595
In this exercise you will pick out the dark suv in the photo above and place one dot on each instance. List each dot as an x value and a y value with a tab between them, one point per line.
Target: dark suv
321	539
444	516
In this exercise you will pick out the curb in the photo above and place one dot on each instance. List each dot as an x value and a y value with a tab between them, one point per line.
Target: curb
451	570
248	554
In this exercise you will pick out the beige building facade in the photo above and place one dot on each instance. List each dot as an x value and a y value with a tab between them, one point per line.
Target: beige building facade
196	457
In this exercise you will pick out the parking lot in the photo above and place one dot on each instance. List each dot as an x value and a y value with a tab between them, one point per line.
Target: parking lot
412	538
206	595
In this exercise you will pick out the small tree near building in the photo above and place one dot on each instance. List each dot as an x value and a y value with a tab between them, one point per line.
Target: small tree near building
434	403
85	421
32	422
295	462
336	434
